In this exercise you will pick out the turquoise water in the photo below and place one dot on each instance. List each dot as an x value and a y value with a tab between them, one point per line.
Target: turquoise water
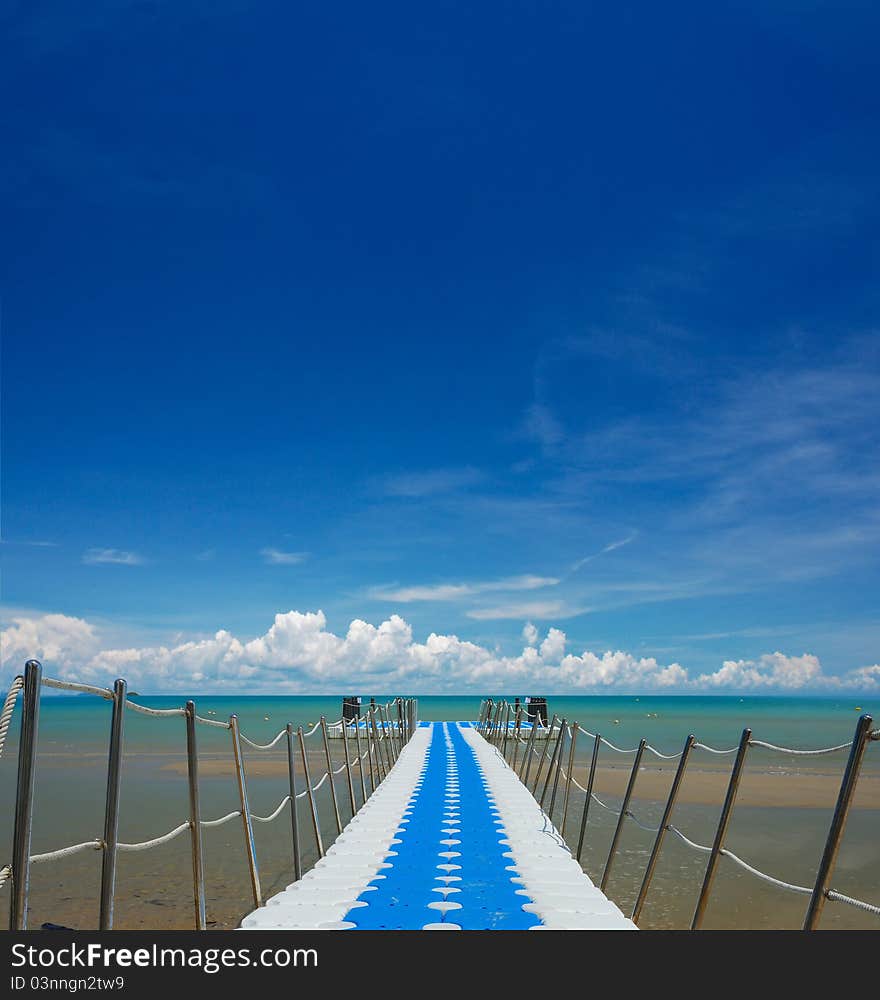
81	722
154	887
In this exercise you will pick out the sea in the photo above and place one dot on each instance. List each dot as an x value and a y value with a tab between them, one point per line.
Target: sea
779	825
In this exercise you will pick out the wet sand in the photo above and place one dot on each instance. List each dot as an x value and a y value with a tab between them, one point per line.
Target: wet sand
769	789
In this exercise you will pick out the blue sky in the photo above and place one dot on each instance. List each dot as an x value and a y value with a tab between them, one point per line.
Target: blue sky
475	317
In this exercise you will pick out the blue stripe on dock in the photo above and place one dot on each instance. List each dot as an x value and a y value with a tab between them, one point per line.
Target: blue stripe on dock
450	867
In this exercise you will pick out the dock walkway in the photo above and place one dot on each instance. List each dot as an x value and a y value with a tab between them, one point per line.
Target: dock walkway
450	840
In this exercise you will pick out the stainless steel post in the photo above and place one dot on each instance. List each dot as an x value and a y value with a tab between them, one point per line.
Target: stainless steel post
506	730
357	742
195	817
311	793
529	753
24	795
589	797
250	846
294	818
330	775
348	766
664	826
368	730
718	844
516	736
575	729
380	763
557	749
386	737
543	756
111	809
624	812
838	822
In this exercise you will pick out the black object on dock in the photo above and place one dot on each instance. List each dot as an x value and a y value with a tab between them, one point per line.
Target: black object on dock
537	708
351	708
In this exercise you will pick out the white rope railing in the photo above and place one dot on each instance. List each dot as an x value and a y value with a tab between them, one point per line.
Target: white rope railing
145	845
800	753
211	722
704	746
273	815
221	820
263	746
838	897
156	712
8	710
104	693
688	841
5	872
64	852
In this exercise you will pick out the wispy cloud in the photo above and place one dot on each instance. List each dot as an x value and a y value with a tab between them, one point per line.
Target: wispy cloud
431	482
608	548
455	591
275	557
40	544
206	556
115	557
540	610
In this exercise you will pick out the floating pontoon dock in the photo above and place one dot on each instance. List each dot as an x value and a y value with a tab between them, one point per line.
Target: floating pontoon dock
451	840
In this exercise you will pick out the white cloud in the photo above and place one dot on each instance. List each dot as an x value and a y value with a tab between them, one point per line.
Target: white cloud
773	670
431	482
298	654
455	591
116	557
608	548
542	610
275	557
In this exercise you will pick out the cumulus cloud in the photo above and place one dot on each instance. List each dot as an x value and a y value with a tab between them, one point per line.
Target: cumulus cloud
117	557
773	670
298	654
275	557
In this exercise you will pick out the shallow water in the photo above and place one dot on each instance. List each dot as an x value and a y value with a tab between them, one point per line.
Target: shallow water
154	887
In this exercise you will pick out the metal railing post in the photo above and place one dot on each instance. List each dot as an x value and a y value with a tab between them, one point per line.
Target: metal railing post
111	809
543	756
723	822
506	730
348	766
380	763
575	729
294	819
593	763
195	817
360	753
838	821
24	796
250	846
368	730
557	772
557	749
527	756
517	725
311	792
661	832
330	775
624	812
386	738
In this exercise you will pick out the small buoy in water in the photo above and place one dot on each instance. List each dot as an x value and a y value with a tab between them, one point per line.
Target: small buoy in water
858	708
616	722
266	717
